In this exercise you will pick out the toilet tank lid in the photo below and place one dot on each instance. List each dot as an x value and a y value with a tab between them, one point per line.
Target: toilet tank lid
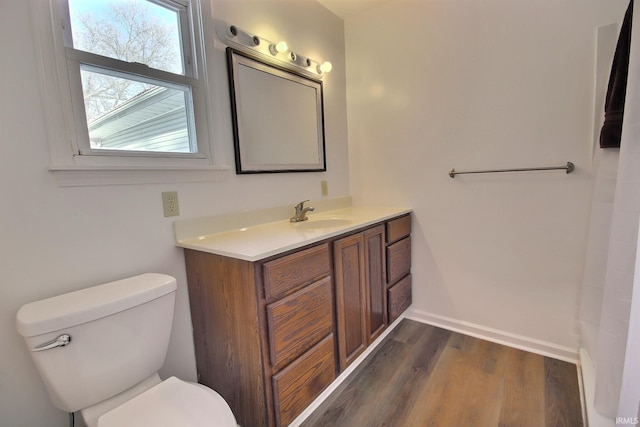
85	305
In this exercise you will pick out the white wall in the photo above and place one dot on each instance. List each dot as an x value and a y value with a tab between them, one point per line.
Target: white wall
57	239
436	84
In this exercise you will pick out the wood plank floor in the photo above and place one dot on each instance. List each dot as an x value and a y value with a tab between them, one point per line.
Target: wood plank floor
422	376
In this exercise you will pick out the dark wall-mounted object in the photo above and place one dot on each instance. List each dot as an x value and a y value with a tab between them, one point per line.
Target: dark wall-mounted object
278	117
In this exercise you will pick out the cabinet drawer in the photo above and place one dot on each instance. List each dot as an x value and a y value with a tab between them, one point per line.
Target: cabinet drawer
295	387
398	260
299	321
294	271
398	228
399	298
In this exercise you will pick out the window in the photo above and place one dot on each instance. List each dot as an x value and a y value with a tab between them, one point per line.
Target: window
135	70
129	81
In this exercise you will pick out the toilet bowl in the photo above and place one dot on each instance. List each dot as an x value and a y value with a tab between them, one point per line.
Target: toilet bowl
98	352
173	402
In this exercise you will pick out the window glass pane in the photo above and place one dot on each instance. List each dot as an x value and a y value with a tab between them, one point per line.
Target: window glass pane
136	115
129	30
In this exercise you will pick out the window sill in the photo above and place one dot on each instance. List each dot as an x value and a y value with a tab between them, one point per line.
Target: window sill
77	176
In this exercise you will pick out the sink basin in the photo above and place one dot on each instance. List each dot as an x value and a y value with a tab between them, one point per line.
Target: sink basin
313	224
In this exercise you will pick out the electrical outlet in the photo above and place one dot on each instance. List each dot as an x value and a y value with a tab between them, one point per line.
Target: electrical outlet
170	205
325	188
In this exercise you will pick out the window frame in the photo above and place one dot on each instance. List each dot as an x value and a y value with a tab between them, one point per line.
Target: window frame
63	102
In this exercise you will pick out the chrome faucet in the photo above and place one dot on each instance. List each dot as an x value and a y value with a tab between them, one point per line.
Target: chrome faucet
301	212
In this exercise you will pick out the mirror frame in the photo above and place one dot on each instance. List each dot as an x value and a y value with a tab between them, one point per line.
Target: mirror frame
237	58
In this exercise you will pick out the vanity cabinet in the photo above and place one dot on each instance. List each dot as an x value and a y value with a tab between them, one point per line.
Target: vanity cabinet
360	292
271	335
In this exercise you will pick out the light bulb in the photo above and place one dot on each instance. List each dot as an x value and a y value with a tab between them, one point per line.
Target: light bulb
281	47
325	67
278	48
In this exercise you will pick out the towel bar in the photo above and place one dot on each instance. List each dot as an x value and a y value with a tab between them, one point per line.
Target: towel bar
569	168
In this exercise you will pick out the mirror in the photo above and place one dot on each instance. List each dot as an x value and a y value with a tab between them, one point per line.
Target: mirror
278	120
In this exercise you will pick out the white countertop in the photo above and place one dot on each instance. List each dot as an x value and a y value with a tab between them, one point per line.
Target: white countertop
256	242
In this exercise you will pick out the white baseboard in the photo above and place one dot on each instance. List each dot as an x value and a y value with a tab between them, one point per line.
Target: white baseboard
521	342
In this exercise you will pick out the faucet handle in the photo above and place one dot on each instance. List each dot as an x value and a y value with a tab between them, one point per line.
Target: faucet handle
301	204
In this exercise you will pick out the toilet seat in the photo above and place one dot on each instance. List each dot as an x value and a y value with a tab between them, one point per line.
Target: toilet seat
172	403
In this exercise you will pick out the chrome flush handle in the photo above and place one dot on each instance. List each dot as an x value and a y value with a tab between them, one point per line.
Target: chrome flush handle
61	341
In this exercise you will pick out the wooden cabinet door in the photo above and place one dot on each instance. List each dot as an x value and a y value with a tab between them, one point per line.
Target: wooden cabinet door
376	284
351	297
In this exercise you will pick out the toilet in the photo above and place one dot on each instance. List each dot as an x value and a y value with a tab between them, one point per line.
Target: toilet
98	351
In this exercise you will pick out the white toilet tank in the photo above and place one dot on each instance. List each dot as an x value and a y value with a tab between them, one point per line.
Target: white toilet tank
119	333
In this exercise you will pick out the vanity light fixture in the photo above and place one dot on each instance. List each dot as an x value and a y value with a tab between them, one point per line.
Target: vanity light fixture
232	31
325	67
239	37
300	60
278	48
